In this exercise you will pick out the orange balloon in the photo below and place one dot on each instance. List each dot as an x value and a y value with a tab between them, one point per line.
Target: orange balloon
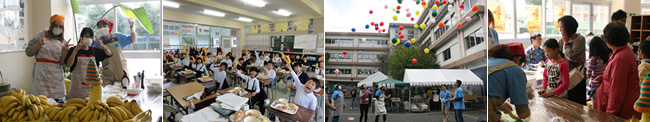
460	25
414	61
441	25
475	8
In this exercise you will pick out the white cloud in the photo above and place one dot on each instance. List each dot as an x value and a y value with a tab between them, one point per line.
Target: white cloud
343	15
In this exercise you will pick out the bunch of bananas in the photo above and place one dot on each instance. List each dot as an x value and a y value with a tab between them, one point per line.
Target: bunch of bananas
141	117
18	106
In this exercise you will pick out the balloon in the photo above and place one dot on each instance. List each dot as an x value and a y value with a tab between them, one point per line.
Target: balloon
350	118
434	14
437	2
412	19
354	29
370	12
415	26
450	8
393	45
444	1
425	6
435	7
460	25
417	2
399	33
468	19
399	7
372	23
450	2
345	52
407	9
414	61
367	26
441	25
336	71
401	36
426	50
393	9
395	17
417	12
376	27
424	3
394	25
408	14
386	6
397	11
363	39
423	25
407	44
383	30
393	41
399	1
401	27
462	6
376	24
381	23
288	50
412	40
475	8
397	42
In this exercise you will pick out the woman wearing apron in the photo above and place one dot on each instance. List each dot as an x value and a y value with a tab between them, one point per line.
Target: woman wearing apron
380	108
338	100
49	51
114	68
78	58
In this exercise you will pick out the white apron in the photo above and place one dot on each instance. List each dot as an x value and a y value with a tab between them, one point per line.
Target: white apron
114	67
380	106
47	74
77	88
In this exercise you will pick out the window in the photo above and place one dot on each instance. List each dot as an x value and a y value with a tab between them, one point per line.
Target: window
340	56
369	56
342	42
341	71
447	54
13	17
373	42
89	14
554	10
474	38
366	71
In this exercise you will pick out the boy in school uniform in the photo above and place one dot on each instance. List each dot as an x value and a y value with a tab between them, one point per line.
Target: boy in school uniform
220	75
305	90
253	87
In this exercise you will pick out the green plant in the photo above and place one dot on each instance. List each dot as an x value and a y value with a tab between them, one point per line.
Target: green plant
401	59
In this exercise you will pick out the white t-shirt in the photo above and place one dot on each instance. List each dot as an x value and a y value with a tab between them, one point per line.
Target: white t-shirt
307	100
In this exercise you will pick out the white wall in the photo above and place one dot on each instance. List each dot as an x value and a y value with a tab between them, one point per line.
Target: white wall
454	49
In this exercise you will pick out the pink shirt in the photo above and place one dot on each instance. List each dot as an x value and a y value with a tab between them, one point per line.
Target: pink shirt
620	86
559	74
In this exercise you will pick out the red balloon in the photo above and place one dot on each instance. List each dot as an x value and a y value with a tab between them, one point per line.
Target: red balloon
383	30
398	7
401	27
414	61
288	50
436	2
475	8
370	12
399	33
460	25
462	6
444	1
401	36
412	19
393	45
376	27
345	52
372	23
424	3
381	23
441	25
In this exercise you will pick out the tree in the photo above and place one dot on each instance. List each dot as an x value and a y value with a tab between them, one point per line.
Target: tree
401	57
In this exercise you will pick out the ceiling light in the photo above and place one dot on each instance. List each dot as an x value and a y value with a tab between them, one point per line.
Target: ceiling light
282	12
258	3
244	19
213	13
170	4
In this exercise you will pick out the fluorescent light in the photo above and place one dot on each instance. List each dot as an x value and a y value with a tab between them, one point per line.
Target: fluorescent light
258	3
244	19
282	12
170	4
213	13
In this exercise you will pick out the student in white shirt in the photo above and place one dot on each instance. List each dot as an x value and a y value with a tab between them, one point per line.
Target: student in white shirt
209	59
199	68
219	55
277	58
177	60
253	87
220	75
227	61
269	70
320	70
305	92
267	58
185	61
258	60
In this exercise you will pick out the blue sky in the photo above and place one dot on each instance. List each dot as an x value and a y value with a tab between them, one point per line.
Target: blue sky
343	15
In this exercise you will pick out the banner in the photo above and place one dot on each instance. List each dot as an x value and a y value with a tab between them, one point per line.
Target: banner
534	13
301	25
559	13
499	15
171	28
281	27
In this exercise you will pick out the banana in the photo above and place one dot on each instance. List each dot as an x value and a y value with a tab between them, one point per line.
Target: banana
135	108
128	113
81	111
115	113
42	97
130	120
73	118
26	101
122	113
12	112
99	107
109	118
54	112
102	118
9	99
21	115
87	116
114	101
142	116
8	107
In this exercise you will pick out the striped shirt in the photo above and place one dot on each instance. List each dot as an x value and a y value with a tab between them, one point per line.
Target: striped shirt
595	67
534	56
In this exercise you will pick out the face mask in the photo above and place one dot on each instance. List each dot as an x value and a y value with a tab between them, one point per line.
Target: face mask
57	31
87	41
103	31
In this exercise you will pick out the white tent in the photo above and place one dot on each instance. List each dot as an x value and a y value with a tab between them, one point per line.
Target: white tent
430	77
378	76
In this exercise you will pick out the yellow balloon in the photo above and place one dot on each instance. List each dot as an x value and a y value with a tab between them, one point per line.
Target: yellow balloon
426	50
423	25
417	12
415	26
434	7
395	17
412	40
393	9
397	41
425	6
391	43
